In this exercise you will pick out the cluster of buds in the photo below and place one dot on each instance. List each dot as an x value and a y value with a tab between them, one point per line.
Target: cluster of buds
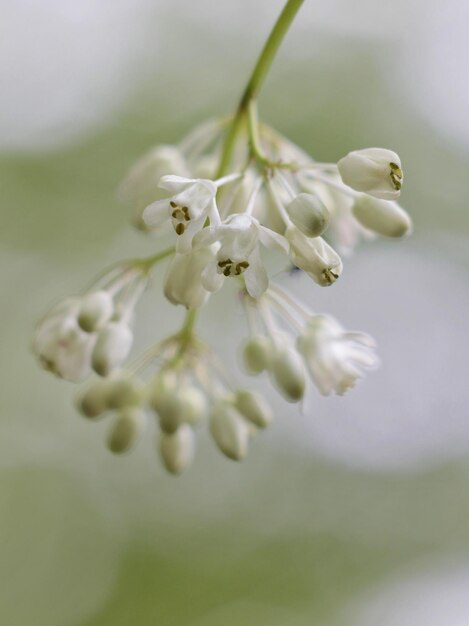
228	193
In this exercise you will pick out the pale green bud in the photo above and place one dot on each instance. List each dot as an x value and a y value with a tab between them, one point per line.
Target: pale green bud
177	449
94	401
126	430
288	374
112	347
229	430
382	216
96	310
187	405
124	391
308	214
258	354
164	399
253	407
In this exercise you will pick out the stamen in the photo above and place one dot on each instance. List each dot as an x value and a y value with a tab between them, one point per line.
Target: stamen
396	176
180	228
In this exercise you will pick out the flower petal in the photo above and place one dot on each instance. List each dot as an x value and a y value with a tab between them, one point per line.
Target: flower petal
156	213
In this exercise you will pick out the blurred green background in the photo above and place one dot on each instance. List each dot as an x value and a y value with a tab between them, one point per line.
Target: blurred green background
354	512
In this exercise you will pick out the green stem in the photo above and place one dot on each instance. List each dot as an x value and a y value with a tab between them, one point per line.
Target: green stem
147	263
257	78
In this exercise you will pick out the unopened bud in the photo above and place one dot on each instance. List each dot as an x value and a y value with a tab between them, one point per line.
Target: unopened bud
308	214
112	347
253	407
382	216
288	373
124	391
126	430
94	402
96	310
177	449
229	430
257	354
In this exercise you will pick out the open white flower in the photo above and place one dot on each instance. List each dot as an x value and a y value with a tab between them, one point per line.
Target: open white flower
334	357
314	256
61	345
239	237
376	171
192	200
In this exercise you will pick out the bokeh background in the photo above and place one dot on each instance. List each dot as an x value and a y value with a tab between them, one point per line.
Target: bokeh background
354	513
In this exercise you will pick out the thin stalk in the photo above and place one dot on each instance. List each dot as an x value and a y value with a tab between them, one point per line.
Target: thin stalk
257	78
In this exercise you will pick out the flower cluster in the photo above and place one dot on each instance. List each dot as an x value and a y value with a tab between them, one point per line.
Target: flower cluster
227	194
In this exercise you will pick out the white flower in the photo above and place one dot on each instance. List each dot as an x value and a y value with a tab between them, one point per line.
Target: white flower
375	171
61	345
335	358
382	216
183	283
239	237
314	256
141	185
192	200
308	214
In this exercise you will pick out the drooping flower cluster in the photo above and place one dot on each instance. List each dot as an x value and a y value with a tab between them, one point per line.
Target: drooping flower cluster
227	194
219	229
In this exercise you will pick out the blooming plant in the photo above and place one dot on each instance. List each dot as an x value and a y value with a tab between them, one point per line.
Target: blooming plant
230	189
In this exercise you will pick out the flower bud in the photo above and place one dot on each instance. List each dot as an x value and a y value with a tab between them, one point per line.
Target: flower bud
229	430
382	216
193	405
308	214
141	186
112	347
96	310
124	391
183	284
94	402
126	430
253	407
375	171
257	354
288	374
164	399
314	256
177	449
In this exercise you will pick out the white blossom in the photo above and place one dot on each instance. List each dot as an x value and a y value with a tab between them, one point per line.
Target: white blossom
191	202
239	238
314	256
375	171
334	357
61	345
383	217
